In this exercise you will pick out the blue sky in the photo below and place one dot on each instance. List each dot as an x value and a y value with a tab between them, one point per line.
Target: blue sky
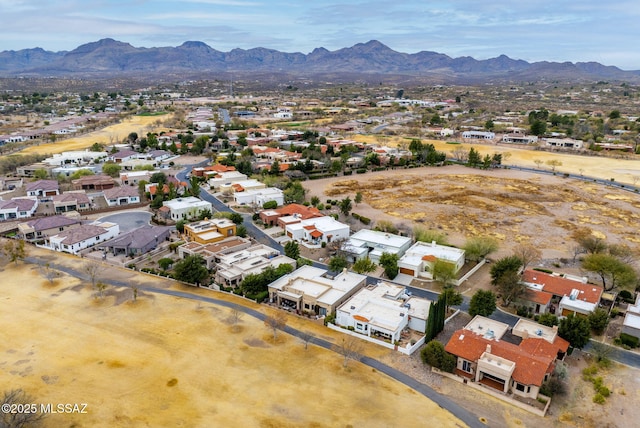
533	30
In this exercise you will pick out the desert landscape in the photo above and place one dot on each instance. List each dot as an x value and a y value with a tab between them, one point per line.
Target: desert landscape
164	361
509	205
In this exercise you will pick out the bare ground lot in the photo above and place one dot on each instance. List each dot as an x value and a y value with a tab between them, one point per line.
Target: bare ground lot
512	206
163	361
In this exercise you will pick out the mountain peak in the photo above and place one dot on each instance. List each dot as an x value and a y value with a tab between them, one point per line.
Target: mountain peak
194	45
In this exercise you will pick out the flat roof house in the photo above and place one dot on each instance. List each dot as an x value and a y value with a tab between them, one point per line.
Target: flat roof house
315	290
210	230
259	196
233	267
383	311
314	231
211	253
631	323
186	208
418	260
372	244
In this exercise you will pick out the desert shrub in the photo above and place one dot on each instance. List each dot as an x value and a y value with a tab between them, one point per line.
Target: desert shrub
629	340
361	170
598	399
269	205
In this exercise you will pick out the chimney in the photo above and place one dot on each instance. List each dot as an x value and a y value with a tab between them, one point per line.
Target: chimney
488	351
433	243
525	334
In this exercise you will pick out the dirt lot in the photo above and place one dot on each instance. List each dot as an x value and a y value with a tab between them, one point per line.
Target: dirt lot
512	206
163	361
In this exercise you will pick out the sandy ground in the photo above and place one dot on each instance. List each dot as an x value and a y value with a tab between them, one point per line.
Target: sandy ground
109	135
622	170
163	361
512	206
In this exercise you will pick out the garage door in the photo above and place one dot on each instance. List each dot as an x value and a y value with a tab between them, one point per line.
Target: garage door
407	271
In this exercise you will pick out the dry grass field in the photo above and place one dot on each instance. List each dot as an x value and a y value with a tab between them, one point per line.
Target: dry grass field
511	206
164	361
111	134
622	170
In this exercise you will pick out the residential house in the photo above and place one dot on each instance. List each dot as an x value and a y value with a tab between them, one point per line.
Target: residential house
212	170
93	182
137	241
371	244
84	236
29	171
478	135
132	178
241	186
316	230
122	156
123	195
295	212
259	197
418	260
315	290
43	189
41	229
211	253
482	356
71	201
210	230
226	178
631	323
186	208
561	294
233	267
565	143
519	138
76	158
17	208
383	311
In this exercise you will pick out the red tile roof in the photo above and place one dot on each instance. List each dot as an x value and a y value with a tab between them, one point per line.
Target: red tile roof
530	368
301	210
316	234
559	286
539	297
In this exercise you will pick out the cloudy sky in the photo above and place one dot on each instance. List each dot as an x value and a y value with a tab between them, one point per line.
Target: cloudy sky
535	30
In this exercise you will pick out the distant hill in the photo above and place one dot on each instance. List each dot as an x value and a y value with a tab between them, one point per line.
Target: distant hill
109	58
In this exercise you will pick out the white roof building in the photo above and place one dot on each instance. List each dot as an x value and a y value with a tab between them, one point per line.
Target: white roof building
186	208
233	267
226	178
372	243
383	310
259	196
317	230
631	323
418	260
315	290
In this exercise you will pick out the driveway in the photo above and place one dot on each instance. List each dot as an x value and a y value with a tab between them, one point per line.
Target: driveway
129	220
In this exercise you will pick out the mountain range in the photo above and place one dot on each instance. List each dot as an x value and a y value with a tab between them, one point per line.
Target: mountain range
109	58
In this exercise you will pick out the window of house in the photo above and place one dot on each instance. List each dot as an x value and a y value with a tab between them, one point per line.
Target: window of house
306	306
520	387
466	366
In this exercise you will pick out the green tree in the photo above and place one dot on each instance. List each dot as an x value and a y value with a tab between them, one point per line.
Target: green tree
504	266
292	250
576	330
538	127
41	174
194	188
435	355
554	164
358	198
479	247
613	272
337	263
237	218
548	319
482	303
241	231
451	297
363	266
315	201
345	206
598	321
294	193
191	269
390	264
510	287
111	169
275	168
443	271
165	263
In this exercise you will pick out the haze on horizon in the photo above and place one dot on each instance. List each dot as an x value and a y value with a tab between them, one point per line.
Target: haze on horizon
559	30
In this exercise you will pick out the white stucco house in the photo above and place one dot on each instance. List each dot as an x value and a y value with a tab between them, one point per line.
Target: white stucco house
314	231
259	196
186	208
419	259
372	244
84	236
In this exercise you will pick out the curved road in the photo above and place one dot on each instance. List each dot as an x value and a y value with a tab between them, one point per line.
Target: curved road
454	408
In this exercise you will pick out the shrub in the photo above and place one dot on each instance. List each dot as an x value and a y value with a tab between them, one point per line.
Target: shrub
629	340
626	296
543	270
361	170
598	399
350	328
269	205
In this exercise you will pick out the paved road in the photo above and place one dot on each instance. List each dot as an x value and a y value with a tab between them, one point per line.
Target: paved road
460	412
